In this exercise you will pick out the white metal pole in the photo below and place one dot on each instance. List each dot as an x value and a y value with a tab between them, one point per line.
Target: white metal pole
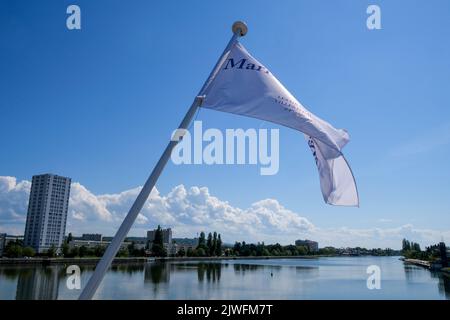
239	29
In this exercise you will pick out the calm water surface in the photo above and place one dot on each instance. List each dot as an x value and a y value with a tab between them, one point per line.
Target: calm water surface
323	278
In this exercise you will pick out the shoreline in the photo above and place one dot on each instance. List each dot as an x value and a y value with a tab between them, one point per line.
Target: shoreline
129	260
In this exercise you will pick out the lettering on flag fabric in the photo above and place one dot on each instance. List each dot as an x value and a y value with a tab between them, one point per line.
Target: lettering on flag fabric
246	87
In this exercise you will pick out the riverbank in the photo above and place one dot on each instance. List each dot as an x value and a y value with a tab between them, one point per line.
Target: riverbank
95	260
417	262
124	260
165	259
52	261
433	266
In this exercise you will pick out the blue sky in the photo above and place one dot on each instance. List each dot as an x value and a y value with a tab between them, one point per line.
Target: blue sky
98	104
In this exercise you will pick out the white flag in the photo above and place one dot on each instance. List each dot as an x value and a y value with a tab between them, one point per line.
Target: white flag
336	178
246	87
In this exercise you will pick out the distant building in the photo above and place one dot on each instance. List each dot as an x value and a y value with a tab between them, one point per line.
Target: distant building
47	212
167	240
183	244
91	236
312	246
167	235
5	239
139	242
9	238
192	242
93	244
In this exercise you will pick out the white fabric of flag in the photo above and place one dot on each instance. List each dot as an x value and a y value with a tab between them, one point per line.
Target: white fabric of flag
246	87
336	178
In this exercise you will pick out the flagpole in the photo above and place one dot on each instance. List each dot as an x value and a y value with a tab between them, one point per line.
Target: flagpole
239	29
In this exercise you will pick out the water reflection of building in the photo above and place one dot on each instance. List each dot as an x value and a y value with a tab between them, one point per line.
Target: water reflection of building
157	272
38	284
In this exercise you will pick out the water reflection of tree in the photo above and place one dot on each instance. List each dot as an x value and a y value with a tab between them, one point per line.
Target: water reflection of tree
128	268
243	268
157	272
211	270
443	283
11	273
443	280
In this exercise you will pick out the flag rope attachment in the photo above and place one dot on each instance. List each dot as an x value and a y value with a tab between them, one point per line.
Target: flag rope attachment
239	29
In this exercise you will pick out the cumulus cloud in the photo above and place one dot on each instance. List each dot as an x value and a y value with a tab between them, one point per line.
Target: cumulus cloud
13	204
190	210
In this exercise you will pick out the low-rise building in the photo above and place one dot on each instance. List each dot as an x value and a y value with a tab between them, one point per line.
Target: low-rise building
312	246
167	235
93	244
185	247
167	240
91	236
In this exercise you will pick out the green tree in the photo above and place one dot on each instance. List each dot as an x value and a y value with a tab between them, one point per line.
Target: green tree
28	252
74	252
214	244
13	250
237	248
99	251
82	251
201	240
123	253
69	237
302	251
219	246
158	249
65	249
181	252
406	245
200	252
209	244
51	252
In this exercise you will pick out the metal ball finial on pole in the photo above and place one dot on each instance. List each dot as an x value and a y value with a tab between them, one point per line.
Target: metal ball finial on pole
240	28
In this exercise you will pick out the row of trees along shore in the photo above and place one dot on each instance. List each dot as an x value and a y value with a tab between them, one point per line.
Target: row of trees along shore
411	250
16	249
212	246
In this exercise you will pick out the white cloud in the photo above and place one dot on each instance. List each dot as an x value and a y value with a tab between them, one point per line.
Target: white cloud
190	210
13	204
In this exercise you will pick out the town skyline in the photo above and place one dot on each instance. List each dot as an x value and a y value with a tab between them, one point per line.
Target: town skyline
110	209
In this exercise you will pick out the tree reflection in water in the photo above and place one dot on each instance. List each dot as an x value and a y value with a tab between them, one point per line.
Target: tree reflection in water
211	270
443	284
157	272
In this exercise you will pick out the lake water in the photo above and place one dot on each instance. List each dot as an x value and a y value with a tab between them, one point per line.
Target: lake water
322	278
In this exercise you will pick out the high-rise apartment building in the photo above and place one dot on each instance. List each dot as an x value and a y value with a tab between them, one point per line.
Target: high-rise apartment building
47	212
166	233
